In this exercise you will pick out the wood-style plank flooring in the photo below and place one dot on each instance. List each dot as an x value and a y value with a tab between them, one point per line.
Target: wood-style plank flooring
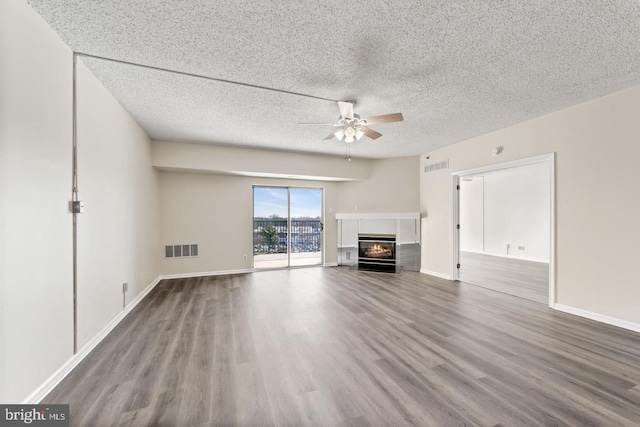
518	277
335	347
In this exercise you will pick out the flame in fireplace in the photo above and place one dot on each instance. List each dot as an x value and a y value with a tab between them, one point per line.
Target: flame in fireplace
379	251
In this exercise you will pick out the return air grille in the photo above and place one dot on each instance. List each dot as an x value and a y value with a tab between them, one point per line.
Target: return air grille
431	167
181	251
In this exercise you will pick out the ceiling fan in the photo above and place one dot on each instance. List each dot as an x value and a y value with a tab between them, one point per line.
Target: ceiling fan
352	127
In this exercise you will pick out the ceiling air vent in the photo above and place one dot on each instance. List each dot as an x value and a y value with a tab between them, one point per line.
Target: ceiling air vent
181	251
431	167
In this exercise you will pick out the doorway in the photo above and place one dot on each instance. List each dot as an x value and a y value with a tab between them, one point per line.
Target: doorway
287	227
503	228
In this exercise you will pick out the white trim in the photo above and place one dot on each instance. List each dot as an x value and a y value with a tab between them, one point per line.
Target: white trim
455	211
330	264
50	383
435	274
323	220
523	258
454	236
398	215
506	165
206	273
625	324
552	243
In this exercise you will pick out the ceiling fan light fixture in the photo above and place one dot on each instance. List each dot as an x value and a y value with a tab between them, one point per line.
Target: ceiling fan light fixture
339	134
349	131
359	134
349	134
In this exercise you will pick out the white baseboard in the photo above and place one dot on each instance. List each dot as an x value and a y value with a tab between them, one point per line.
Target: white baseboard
205	273
45	388
330	264
598	317
434	273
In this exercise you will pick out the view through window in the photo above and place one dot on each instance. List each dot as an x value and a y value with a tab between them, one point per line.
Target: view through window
287	227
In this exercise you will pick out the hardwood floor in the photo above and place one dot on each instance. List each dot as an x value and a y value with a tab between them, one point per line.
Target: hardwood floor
521	278
330	346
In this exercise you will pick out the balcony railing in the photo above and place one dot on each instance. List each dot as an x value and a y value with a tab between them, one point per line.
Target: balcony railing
270	235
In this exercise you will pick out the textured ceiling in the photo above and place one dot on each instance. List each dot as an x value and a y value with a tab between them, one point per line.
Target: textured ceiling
455	69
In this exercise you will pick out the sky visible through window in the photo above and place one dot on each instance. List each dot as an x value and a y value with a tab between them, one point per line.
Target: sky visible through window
269	201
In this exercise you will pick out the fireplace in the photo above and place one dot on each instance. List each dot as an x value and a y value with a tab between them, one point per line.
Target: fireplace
377	251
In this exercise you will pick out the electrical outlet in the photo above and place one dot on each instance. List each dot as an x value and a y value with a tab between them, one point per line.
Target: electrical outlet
125	287
356	207
521	248
244	257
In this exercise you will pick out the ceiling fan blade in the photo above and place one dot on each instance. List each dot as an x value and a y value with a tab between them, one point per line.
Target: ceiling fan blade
346	110
328	137
387	118
370	132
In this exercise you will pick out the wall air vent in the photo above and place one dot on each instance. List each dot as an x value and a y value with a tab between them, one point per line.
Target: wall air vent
181	251
431	167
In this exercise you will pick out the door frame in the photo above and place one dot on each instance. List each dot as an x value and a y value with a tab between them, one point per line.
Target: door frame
322	237
550	160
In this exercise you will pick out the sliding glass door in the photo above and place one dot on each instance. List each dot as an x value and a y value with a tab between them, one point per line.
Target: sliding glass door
287	227
270	227
305	212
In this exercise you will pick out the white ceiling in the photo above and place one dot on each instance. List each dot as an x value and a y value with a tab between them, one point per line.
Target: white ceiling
454	68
